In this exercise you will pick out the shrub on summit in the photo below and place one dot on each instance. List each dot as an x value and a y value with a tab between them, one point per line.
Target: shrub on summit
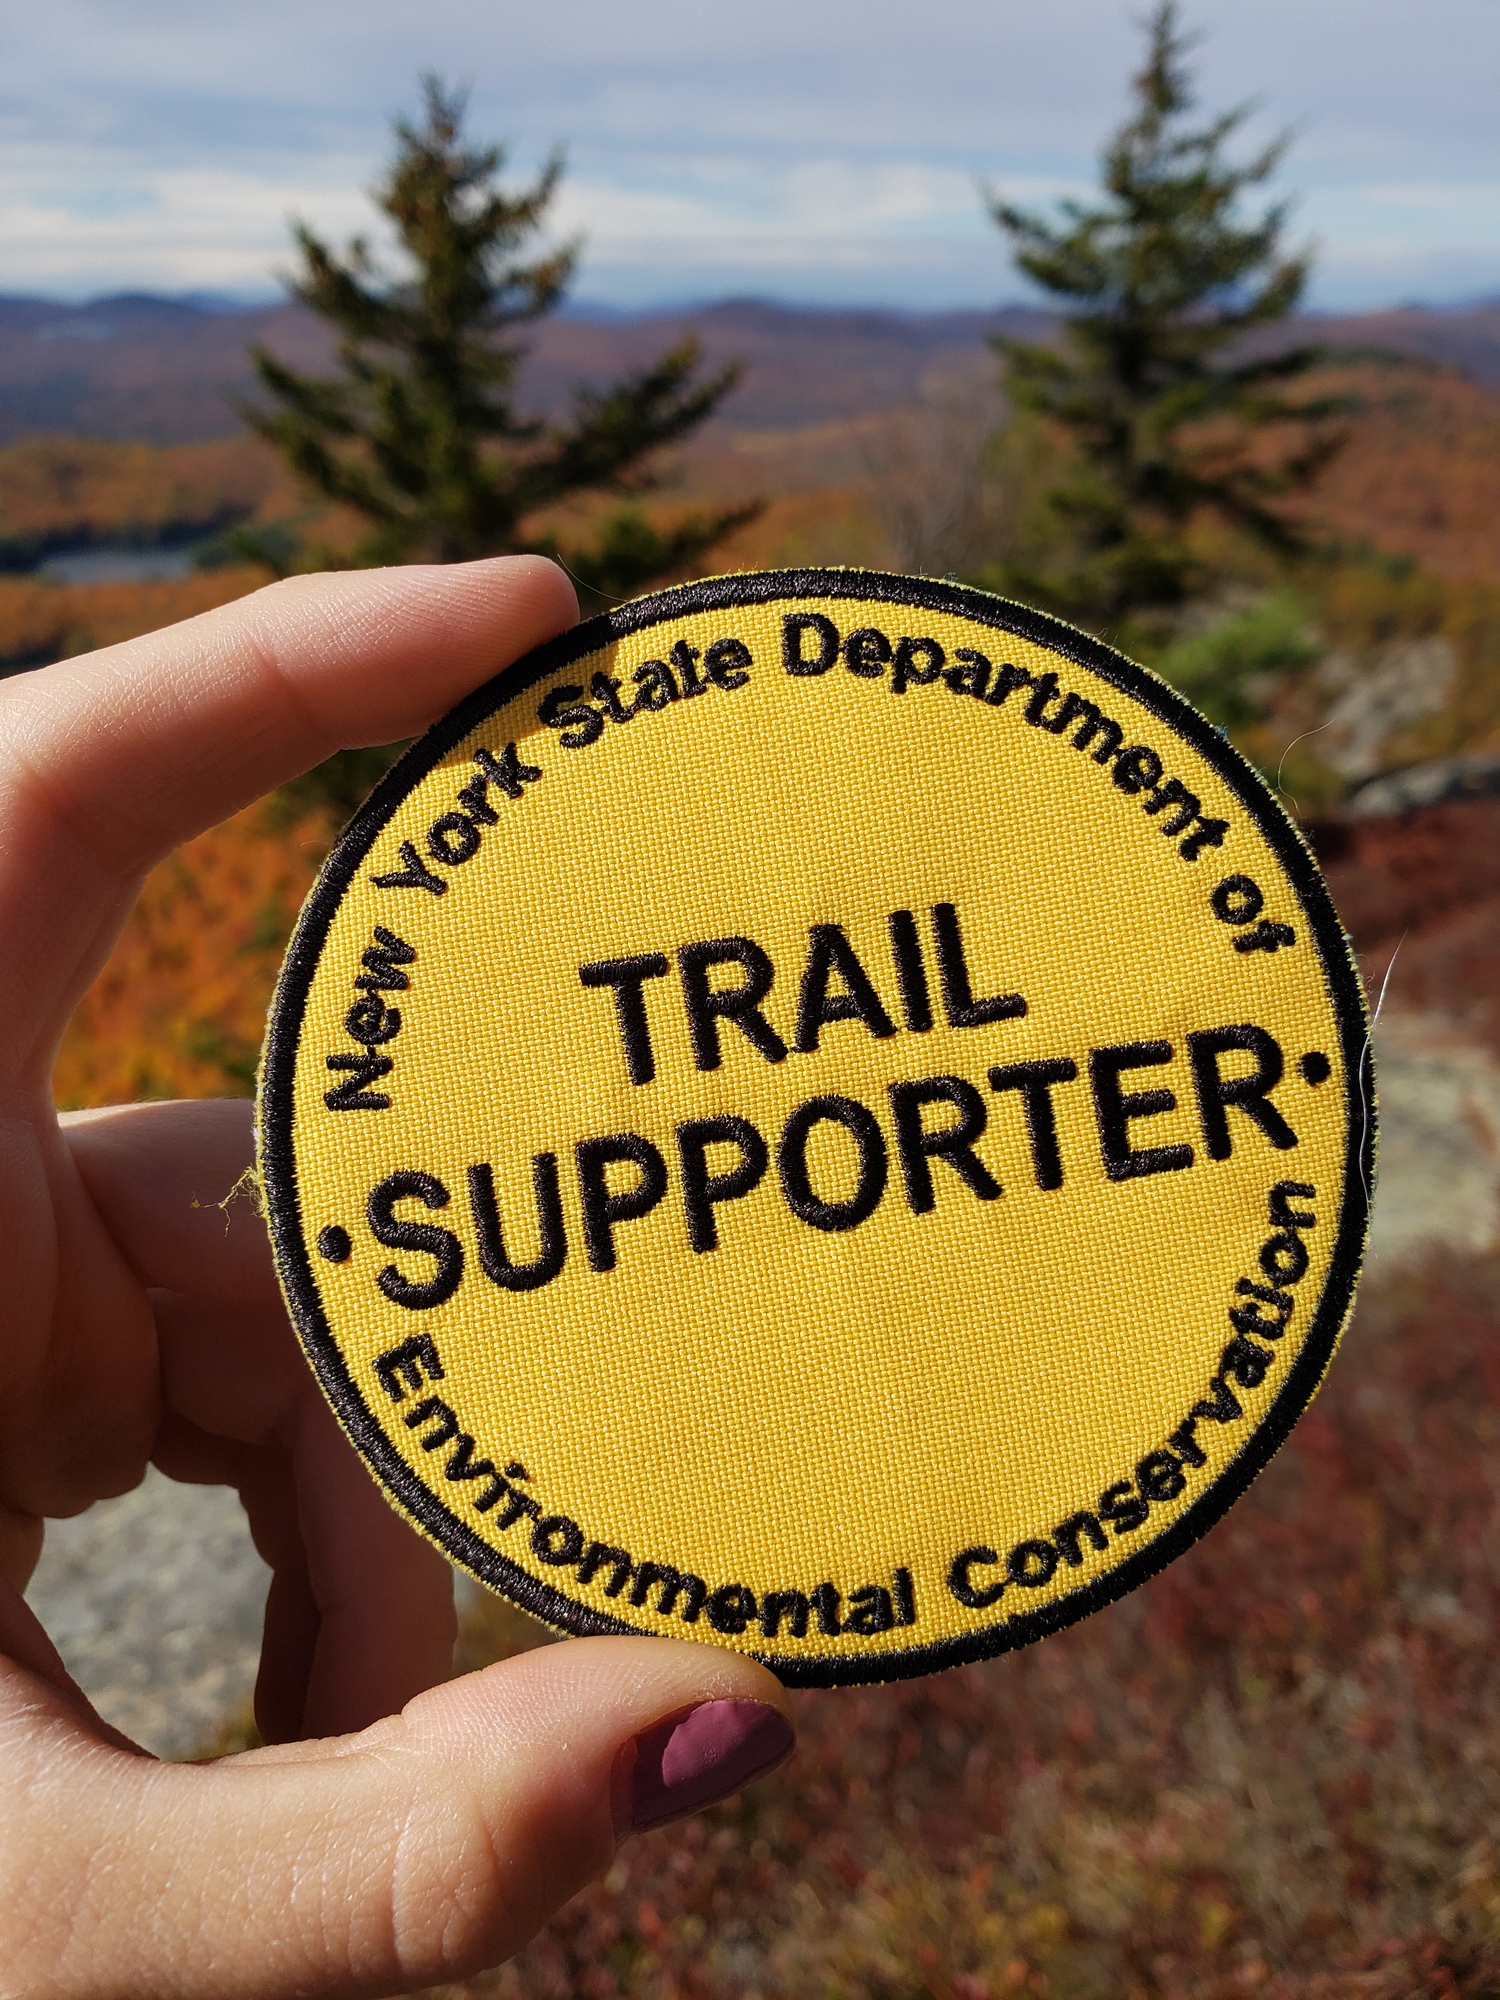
1166	401
419	435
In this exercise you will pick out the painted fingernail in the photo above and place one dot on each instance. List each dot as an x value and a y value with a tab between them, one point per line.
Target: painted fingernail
695	1759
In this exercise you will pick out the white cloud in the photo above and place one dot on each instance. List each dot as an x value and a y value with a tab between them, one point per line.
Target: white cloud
162	142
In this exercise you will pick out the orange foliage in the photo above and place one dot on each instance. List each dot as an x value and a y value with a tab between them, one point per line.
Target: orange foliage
180	1008
1421	474
40	622
56	490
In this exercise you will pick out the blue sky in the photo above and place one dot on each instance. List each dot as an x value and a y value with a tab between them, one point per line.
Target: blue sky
812	150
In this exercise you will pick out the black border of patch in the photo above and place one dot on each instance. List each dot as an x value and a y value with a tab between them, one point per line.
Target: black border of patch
723	593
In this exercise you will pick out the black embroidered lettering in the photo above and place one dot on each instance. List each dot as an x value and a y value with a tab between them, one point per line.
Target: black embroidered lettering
1120	1506
354	1093
1237	900
823	630
1159	1476
1266	936
1225	1407
672	1584
463	1465
829	950
1036	1081
1032	1564
552	1241
1210	833
727	663
972	674
1282	1215
1248	1319
506	771
1284	1259
596	1556
977	1597
557	1540
1091	722
1007	679
905	1597
791	1605
607	691
1044	688
602	1210
827	1602
402	1368
1217	1093
867	653
371	1022
1137	768
731	1608
870	1610
517	1507
453	838
911	971
1245	1362
433	1410
953	1142
474	802
791	1161
701	1190
905	672
962	1009
626	976
1115	1110
562	709
708	1005
412	874
381	960
658	687
439	1244
1078	1528
1186	1445
1186	807
685	659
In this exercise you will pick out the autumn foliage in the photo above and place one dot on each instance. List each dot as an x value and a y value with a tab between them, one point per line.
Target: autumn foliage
180	1009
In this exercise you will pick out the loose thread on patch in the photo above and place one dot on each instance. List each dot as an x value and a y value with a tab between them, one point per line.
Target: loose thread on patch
251	1184
1367	1053
1287	753
588	586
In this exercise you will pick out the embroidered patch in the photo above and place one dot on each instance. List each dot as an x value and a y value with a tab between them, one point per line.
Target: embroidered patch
823	1113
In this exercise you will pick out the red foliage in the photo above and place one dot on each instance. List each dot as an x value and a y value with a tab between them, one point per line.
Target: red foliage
1425	888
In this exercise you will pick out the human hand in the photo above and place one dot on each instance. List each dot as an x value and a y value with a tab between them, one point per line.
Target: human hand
142	1324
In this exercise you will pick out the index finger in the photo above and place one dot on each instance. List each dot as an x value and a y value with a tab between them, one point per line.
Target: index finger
109	761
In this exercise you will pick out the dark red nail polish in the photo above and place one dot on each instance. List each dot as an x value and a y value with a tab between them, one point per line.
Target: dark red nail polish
695	1759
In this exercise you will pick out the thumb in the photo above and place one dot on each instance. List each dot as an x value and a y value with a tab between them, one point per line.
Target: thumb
421	1850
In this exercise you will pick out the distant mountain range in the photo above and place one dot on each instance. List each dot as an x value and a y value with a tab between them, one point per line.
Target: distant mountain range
170	371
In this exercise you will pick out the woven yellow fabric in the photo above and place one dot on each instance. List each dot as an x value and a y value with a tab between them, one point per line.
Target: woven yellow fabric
822	1113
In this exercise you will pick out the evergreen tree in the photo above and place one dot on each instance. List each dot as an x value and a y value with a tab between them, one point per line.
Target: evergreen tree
1168	406
419	435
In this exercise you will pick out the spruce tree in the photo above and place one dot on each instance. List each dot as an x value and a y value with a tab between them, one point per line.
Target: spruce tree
1168	390
419	435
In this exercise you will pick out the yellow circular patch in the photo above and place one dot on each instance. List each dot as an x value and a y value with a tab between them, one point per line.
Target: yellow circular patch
824	1113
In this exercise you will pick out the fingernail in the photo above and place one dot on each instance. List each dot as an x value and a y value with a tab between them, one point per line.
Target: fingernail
693	1760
